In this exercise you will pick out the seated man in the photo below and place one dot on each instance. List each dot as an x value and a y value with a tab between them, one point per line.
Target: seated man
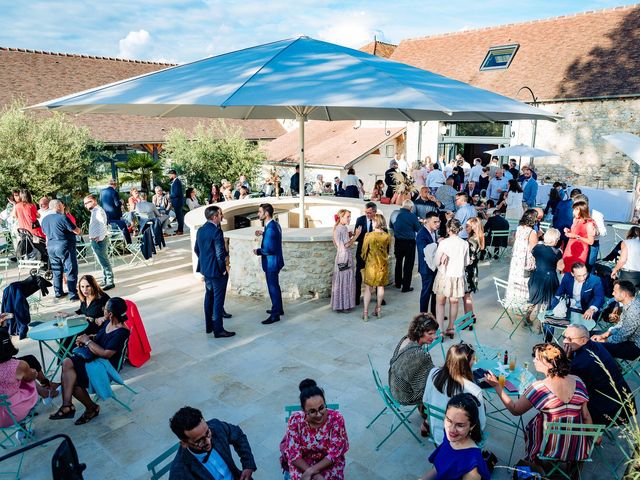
623	339
426	203
204	451
161	201
148	211
600	373
585	295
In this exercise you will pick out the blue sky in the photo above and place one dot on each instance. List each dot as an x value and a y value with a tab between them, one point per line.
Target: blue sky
181	31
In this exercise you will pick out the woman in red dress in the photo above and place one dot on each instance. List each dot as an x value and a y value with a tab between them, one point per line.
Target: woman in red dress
581	236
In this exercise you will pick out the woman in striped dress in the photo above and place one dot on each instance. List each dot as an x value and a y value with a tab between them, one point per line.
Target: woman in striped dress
559	397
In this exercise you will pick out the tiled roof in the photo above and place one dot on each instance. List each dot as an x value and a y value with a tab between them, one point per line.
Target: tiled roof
336	144
591	54
378	48
38	76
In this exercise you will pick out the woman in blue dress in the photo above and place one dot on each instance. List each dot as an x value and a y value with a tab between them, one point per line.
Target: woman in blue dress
458	457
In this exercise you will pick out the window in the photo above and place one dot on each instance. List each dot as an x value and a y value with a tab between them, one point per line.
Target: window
390	151
499	57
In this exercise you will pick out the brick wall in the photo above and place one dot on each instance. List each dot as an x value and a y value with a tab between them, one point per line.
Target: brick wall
585	157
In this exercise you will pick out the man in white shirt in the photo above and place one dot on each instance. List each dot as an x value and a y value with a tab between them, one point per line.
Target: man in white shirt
98	230
44	209
403	166
476	170
435	179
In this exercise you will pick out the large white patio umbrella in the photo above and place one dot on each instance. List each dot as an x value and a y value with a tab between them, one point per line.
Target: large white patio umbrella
628	143
298	78
520	150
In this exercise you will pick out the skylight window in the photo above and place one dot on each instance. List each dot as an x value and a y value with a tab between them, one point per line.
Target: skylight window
499	57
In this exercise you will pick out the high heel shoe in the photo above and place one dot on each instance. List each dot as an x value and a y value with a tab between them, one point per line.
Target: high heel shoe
378	312
365	316
449	332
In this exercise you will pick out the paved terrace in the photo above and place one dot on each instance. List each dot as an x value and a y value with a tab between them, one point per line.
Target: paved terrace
249	378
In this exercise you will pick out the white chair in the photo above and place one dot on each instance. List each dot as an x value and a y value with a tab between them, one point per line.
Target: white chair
29	265
509	307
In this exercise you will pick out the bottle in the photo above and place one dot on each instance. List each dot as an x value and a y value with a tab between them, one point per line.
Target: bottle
505	360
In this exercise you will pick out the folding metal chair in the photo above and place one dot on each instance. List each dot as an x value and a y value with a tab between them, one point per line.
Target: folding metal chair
498	234
439	340
124	384
629	367
590	432
508	306
19	433
83	250
461	326
544	226
117	242
135	247
29	265
157	467
401	412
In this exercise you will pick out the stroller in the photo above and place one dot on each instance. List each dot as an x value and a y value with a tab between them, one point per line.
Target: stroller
29	248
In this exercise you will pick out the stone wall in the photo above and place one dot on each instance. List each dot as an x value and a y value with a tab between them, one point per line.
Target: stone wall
307	272
585	157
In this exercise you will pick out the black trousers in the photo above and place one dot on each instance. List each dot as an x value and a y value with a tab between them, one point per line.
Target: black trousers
625	350
405	252
31	361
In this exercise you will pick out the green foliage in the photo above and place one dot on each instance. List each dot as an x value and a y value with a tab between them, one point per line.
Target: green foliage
48	155
140	168
212	154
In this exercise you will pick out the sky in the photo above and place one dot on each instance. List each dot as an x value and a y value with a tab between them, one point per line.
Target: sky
179	31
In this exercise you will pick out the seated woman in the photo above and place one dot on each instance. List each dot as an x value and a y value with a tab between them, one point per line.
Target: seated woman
108	343
378	191
316	440
191	197
92	302
411	364
559	397
444	383
458	456
18	380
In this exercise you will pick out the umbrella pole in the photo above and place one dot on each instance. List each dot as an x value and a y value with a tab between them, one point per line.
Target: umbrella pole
301	120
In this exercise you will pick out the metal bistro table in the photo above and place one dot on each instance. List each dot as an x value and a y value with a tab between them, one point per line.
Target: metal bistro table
51	334
499	412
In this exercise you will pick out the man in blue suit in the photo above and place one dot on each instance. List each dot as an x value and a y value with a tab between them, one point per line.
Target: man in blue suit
111	202
529	188
583	290
427	235
272	260
177	200
212	264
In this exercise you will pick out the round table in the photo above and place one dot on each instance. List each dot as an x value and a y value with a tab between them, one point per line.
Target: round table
55	331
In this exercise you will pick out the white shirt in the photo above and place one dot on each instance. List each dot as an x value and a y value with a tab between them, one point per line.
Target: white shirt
98	224
575	295
476	171
402	165
43	213
457	250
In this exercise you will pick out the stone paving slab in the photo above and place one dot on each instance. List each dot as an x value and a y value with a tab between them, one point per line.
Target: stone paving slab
249	378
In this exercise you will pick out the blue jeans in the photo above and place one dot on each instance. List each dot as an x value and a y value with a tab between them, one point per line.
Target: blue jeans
100	250
594	250
273	285
63	260
215	292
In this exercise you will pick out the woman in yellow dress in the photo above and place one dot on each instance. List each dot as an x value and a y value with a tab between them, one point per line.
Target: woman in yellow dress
375	253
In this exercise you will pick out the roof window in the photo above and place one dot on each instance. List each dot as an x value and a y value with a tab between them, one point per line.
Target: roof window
499	57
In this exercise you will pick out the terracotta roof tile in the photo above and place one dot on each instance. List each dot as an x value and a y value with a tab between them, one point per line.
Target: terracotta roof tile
378	48
590	54
329	143
39	76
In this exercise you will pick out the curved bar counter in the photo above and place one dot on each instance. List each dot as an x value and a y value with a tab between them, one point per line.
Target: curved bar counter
309	253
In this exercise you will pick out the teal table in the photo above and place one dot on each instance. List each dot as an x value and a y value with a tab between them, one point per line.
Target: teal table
497	411
52	336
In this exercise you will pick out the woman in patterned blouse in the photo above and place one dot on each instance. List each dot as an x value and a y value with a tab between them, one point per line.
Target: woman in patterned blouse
559	397
316	440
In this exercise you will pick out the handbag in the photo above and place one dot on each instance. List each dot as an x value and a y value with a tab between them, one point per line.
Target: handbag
35	224
385	201
343	266
84	353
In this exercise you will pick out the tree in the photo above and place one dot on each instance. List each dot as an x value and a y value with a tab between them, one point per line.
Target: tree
212	154
48	155
140	167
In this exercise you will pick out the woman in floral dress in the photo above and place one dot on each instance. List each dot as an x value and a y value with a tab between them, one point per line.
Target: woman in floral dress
521	259
316	440
343	285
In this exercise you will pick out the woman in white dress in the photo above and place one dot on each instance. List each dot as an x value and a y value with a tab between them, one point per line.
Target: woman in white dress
522	260
513	201
451	257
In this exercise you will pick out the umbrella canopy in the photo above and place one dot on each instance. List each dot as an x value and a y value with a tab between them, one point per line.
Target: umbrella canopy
521	151
298	78
293	77
628	143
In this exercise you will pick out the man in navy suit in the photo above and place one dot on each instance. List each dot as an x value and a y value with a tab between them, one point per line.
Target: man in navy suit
365	222
177	200
272	260
111	202
427	235
212	264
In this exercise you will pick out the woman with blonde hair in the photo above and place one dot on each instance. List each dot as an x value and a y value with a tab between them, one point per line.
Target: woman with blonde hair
451	257
343	284
375	253
476	246
543	281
